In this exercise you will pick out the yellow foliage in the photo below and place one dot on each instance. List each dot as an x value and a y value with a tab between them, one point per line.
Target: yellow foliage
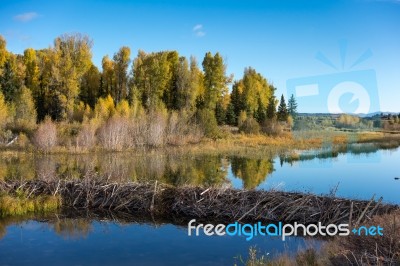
104	108
348	119
242	118
3	112
82	112
123	109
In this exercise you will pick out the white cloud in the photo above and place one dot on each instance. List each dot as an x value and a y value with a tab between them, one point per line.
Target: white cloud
197	27
198	31
25	17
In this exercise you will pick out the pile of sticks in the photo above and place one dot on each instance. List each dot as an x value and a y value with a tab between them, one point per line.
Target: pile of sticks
204	204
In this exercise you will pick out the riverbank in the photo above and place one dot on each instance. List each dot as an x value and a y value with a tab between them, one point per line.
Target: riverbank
235	143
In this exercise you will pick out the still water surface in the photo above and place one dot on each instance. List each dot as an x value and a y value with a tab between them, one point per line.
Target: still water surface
357	172
109	243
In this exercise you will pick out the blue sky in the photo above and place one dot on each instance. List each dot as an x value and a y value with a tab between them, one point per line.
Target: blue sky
280	39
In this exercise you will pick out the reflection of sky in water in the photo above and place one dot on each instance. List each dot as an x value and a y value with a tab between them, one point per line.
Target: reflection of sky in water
358	175
33	243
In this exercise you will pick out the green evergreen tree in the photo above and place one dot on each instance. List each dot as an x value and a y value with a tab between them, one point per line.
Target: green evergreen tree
292	106
271	109
231	118
261	113
282	110
220	113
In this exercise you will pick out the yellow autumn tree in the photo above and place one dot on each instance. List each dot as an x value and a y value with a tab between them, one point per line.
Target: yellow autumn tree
4	115
104	108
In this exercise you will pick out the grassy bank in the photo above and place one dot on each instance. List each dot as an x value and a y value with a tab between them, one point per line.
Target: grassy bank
18	203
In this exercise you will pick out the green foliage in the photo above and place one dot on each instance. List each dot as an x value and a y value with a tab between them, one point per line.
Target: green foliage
122	60
242	117
90	86
215	79
250	126
231	118
220	113
207	121
292	106
153	78
282	110
271	108
61	82
25	112
252	171
12	78
251	94
71	57
107	77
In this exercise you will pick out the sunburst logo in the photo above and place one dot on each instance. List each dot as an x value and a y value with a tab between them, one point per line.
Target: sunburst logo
344	91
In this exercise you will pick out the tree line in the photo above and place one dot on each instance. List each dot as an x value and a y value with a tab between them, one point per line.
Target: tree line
62	83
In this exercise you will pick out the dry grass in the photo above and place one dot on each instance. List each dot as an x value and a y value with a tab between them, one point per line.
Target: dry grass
371	250
349	250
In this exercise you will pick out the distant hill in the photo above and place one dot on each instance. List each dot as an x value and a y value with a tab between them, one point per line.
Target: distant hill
337	115
377	114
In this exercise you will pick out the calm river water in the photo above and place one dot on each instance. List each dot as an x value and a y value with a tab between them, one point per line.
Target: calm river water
356	172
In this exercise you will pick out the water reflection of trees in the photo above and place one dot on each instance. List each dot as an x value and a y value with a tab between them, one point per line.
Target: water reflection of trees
16	166
70	228
203	170
252	171
206	170
2	230
121	167
329	152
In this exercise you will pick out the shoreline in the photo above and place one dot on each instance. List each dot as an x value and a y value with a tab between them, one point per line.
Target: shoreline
297	140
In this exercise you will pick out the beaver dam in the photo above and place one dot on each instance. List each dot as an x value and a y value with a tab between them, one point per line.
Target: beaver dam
204	204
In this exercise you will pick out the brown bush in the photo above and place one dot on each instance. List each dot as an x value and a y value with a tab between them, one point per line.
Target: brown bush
113	135
156	129
271	127
181	131
86	137
250	126
45	137
137	132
